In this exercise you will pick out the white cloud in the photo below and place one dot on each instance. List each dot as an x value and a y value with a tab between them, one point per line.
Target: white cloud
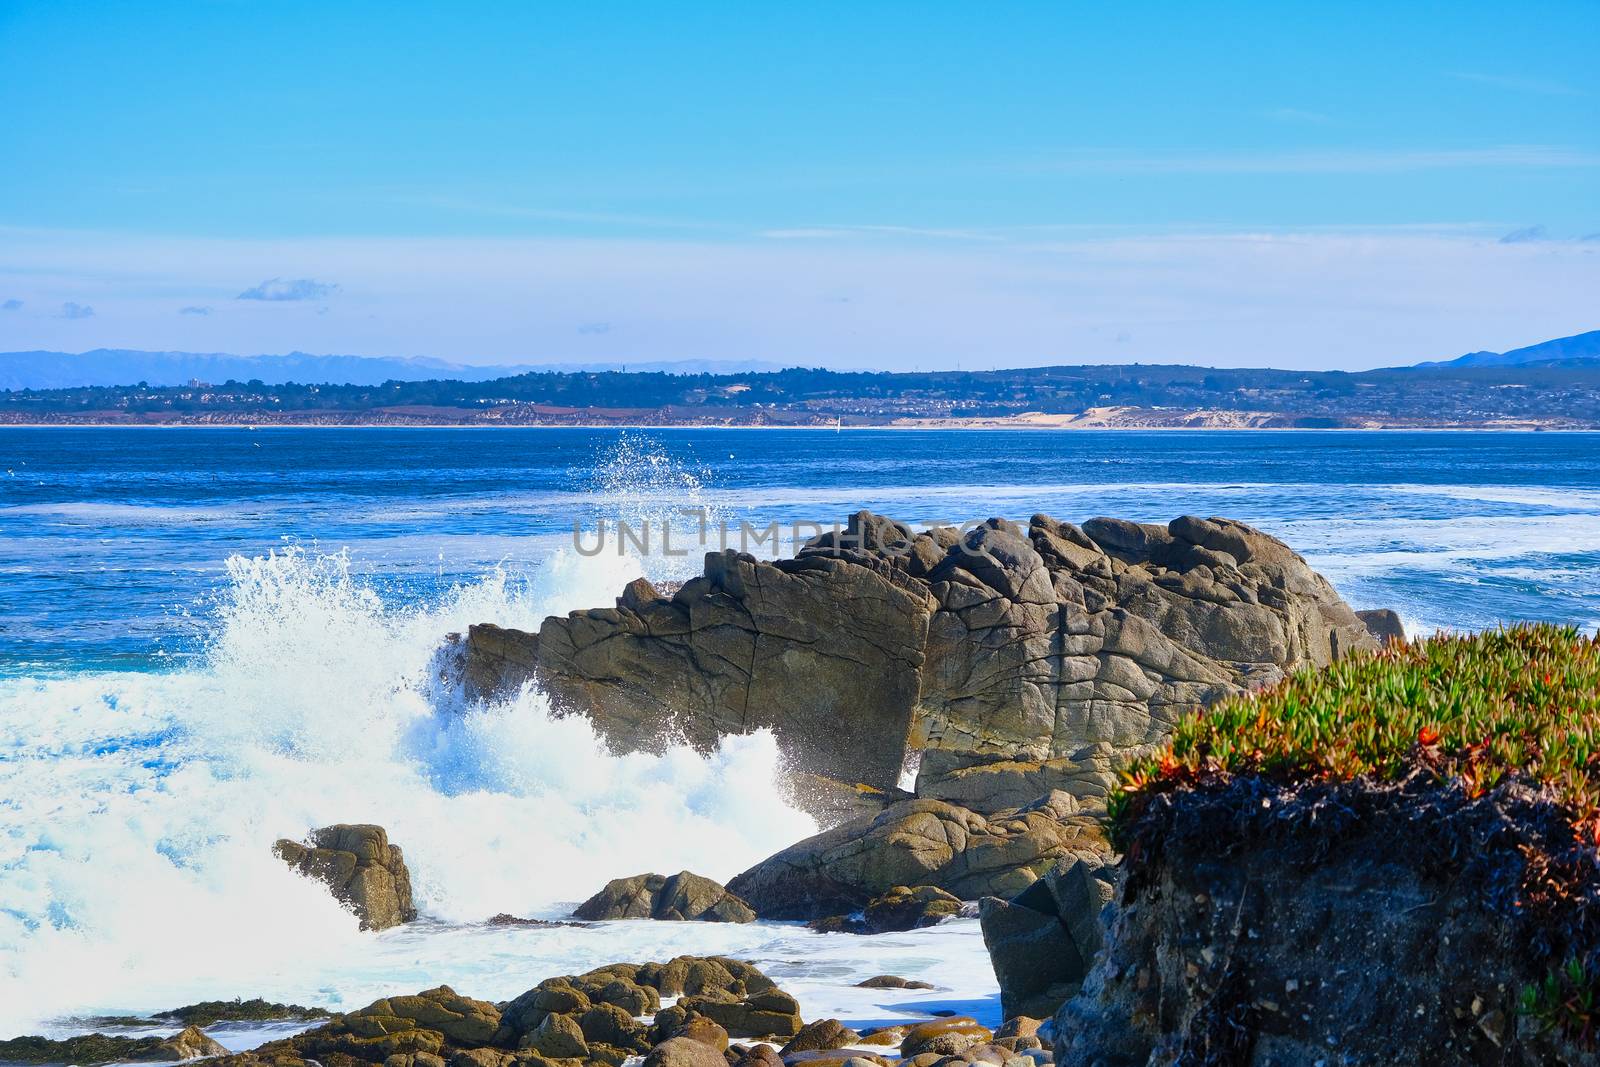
1344	298
73	310
276	289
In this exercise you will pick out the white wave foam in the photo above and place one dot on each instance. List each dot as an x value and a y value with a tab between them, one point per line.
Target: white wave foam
139	809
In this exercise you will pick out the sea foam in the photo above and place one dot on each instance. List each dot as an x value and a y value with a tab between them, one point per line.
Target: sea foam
139	809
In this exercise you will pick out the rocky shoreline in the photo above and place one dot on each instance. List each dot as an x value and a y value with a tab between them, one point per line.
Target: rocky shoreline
968	713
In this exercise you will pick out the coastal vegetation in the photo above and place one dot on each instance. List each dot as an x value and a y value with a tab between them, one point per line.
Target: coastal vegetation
1476	755
1469	710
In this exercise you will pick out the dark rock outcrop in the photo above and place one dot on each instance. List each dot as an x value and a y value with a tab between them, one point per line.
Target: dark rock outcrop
919	843
892	981
1000	642
1384	624
188	1044
1043	941
1344	922
680	897
901	908
361	867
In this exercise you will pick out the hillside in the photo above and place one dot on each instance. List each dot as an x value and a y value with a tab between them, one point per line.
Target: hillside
1554	385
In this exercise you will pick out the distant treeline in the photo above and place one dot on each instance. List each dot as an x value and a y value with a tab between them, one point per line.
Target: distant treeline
1567	390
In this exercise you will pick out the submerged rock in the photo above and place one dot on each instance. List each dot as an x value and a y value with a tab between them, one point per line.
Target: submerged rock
682	896
901	908
893	981
361	867
918	843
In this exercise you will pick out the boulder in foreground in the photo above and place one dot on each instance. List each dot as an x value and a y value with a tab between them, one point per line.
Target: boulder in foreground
363	870
679	897
919	843
1412	878
1043	941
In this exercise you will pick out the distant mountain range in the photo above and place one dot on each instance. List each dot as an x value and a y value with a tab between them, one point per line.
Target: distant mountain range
124	366
1580	346
106	367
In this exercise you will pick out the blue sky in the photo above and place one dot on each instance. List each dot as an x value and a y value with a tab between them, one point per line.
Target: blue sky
868	185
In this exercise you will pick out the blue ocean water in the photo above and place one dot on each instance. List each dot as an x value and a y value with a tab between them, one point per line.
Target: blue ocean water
113	542
212	638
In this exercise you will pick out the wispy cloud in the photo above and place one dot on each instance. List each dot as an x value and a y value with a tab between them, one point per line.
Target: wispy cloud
1524	235
276	289
833	231
11	305
1520	85
591	328
194	310
1341	161
72	310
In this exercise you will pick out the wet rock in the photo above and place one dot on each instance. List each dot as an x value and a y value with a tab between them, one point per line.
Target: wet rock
507	919
835	1058
823	1034
908	908
893	981
83	1049
608	1024
755	1056
1043	941
944	1037
684	1052
630	996
1018	1026
918	843
480	1057
682	896
362	869
558	1037
524	1014
769	1013
189	1044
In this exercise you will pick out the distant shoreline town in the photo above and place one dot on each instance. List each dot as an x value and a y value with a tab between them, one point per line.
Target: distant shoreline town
1551	386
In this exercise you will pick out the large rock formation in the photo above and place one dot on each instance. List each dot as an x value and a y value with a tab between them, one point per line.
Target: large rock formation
919	843
360	866
1053	642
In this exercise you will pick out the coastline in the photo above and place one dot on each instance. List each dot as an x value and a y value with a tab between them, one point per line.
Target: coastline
961	425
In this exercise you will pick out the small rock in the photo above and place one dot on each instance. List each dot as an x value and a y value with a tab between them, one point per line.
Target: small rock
823	1034
681	897
947	1037
684	1052
891	981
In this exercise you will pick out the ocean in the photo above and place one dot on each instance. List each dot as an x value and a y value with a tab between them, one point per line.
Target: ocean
212	638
